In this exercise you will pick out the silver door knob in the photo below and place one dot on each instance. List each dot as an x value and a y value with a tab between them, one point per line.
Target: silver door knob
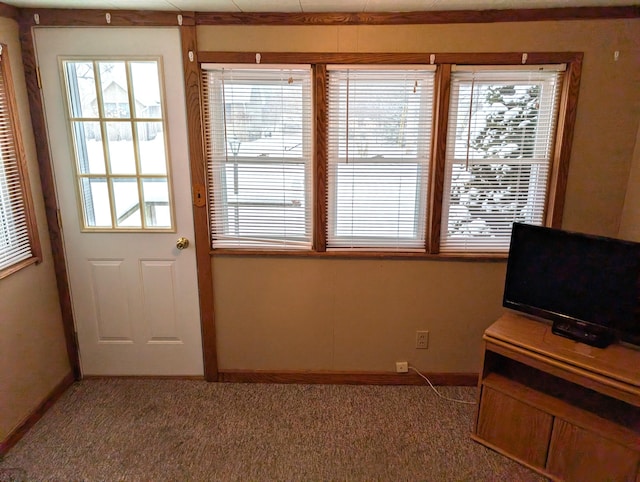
182	243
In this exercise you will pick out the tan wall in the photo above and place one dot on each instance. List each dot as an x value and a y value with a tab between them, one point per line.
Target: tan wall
630	224
358	315
362	314
33	357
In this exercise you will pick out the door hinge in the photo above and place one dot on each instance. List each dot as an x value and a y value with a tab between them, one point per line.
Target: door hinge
38	77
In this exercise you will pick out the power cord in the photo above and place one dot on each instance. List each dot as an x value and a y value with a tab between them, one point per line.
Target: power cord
437	392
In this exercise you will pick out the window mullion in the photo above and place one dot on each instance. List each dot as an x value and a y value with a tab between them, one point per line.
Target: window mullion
439	148
320	159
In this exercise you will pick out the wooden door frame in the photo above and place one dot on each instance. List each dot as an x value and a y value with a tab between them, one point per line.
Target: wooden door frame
186	23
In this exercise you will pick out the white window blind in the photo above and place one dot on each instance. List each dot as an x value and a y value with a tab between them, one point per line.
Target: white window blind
499	150
379	139
259	150
15	238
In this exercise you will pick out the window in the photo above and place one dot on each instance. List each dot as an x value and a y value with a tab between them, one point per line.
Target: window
499	149
259	151
116	115
379	124
19	244
408	156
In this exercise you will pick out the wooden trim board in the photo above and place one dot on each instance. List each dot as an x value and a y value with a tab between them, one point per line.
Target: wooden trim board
413	18
197	167
145	377
346	378
69	17
36	109
36	414
97	17
9	11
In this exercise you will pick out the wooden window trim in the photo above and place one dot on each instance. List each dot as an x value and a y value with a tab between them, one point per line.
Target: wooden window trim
320	160
561	154
564	139
197	168
14	268
477	58
365	254
439	150
560	162
25	184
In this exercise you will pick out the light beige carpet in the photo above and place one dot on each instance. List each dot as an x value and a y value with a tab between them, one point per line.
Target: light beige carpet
124	429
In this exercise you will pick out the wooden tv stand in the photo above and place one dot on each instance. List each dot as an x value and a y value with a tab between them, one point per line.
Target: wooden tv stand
566	410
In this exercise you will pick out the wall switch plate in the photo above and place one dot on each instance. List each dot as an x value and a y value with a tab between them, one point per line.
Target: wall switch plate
402	367
422	340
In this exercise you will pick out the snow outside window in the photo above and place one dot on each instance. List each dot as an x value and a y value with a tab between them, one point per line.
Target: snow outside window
259	153
500	144
379	141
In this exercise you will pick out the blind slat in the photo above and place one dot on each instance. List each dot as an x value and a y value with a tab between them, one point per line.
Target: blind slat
379	137
500	143
258	139
15	243
499	146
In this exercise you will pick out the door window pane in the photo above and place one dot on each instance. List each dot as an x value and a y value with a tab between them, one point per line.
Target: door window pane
121	149
155	193
151	147
115	89
113	150
89	149
81	89
95	197
127	200
146	90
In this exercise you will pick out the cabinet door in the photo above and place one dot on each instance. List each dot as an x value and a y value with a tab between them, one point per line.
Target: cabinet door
578	454
514	427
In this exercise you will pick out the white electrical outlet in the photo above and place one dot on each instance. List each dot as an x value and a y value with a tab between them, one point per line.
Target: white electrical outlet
422	340
402	367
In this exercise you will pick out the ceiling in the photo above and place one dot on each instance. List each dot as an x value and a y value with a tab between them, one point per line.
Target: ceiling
311	6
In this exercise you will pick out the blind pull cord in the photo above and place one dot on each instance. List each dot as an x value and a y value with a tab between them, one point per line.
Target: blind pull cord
473	83
347	123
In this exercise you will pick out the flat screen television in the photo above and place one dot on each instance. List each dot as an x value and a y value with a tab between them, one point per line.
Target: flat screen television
588	286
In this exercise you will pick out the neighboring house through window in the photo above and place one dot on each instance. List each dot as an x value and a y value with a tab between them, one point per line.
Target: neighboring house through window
410	157
379	125
118	126
258	131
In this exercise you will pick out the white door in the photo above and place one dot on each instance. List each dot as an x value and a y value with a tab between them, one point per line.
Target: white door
116	120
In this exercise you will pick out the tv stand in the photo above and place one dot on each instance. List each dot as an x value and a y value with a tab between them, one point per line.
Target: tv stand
590	335
567	410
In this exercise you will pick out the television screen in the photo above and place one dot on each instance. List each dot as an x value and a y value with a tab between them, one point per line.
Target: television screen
577	280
